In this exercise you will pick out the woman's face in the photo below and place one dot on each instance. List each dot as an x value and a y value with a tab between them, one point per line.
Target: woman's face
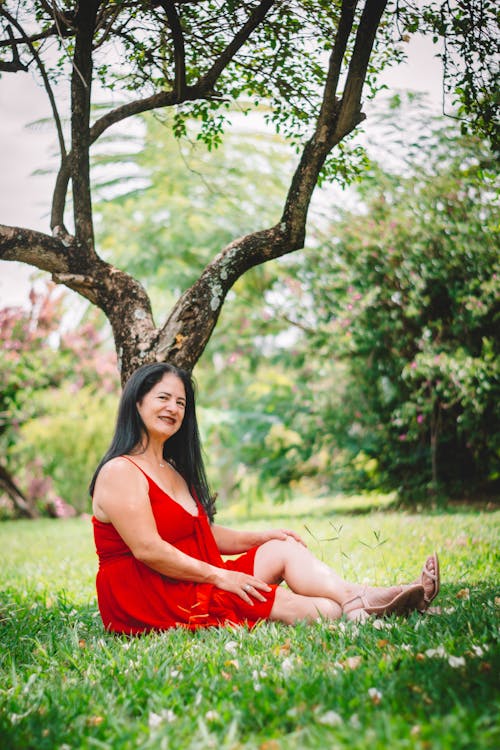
162	409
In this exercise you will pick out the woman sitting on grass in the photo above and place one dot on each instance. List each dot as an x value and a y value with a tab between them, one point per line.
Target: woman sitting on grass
160	563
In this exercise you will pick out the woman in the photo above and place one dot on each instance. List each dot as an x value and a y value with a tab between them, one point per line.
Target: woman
160	563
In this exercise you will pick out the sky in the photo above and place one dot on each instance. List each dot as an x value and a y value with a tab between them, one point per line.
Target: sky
26	148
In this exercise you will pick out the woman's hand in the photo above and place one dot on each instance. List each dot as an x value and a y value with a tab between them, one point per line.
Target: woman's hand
245	586
283	534
232	542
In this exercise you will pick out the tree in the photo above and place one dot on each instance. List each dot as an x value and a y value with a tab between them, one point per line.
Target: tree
309	60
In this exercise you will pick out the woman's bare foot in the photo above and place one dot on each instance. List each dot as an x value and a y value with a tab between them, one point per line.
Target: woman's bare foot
384	601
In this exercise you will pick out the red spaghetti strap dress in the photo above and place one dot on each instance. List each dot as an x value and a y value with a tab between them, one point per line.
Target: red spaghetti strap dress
134	598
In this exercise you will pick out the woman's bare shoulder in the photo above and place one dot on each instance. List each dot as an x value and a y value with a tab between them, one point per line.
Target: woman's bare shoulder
120	470
118	482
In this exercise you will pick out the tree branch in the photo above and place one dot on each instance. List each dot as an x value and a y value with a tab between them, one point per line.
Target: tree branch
156	101
189	327
179	50
162	99
123	299
46	83
36	248
329	104
34	38
59	196
363	45
107	30
191	323
16	65
319	146
81	82
207	81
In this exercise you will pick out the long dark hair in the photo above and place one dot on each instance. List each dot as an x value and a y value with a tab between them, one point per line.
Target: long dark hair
183	449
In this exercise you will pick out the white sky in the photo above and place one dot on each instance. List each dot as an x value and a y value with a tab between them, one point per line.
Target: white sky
25	198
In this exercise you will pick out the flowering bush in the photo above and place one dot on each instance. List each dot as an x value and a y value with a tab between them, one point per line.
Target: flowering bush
39	357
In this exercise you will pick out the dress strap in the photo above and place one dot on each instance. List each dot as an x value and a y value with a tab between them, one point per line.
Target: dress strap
137	465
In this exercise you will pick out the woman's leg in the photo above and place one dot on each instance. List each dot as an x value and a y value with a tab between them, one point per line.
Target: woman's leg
293	563
291	608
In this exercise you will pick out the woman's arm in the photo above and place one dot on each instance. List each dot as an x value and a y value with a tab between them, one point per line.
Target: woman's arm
121	498
232	542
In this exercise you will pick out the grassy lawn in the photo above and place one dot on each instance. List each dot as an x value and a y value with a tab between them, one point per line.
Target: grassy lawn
426	682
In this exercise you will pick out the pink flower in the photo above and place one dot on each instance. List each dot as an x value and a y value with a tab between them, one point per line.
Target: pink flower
413	365
420	418
402	436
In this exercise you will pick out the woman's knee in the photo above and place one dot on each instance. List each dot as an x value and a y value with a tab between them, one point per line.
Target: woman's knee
270	560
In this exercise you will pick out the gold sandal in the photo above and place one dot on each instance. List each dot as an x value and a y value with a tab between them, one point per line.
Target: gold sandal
408	599
434	576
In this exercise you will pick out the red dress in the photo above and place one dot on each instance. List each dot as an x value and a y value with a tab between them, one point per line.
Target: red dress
134	598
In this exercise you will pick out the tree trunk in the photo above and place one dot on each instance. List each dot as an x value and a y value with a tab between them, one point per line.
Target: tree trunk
435	428
22	505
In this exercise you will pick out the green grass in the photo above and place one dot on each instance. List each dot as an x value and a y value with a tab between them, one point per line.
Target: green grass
425	682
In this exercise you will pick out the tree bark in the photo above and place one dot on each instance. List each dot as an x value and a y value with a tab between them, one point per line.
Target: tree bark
123	299
81	85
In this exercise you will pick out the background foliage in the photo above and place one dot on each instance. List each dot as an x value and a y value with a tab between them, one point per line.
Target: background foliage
58	390
406	295
368	361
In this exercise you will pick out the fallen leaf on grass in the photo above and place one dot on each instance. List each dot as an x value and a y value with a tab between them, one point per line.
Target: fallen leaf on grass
270	745
375	695
463	594
331	719
167	715
485	667
296	710
355	722
456	661
352	662
382	642
287	666
94	721
282	648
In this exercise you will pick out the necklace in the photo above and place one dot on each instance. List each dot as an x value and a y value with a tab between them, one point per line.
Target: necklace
162	465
